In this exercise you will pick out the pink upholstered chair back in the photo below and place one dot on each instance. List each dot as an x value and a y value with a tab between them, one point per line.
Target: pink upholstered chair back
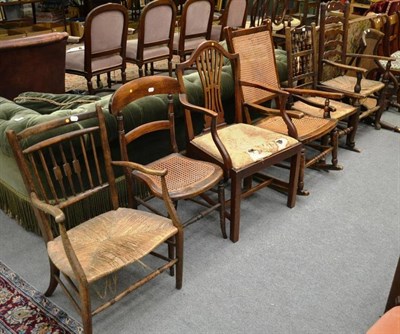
159	22
197	18
237	11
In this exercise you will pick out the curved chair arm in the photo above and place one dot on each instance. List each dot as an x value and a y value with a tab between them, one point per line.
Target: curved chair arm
345	92
271	111
183	99
345	67
313	92
264	86
52	210
358	55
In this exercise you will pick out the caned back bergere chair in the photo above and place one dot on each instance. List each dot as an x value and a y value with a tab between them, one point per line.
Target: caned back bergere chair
155	36
242	150
187	178
64	164
105	36
260	84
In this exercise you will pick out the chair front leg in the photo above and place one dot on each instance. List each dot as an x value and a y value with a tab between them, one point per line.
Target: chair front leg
235	206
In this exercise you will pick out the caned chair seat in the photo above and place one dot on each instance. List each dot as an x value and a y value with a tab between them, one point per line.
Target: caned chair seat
186	177
342	111
347	83
111	241
308	128
245	143
75	61
148	52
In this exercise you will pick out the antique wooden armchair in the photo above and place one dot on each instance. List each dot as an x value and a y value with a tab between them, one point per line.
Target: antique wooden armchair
187	178
64	164
302	73
242	150
334	73
260	84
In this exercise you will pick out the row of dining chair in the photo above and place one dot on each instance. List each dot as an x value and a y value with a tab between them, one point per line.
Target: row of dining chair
106	47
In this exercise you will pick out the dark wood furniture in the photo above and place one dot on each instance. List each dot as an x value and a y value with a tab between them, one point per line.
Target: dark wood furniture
111	238
260	84
155	36
4	5
187	178
34	63
306	11
104	48
301	47
334	74
242	150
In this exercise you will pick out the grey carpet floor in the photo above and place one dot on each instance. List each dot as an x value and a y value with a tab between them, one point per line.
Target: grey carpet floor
325	266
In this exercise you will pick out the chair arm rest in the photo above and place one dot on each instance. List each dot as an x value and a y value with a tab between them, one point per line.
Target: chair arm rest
345	92
264	86
376	57
313	92
140	168
345	67
270	111
183	99
52	210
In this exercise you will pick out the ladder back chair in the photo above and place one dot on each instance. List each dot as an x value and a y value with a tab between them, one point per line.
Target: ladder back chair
260	85
104	45
334	73
187	178
155	36
302	73
242	150
65	164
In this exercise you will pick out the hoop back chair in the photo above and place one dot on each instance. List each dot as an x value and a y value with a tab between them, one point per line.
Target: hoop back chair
302	73
242	150
194	26
234	15
187	178
104	45
260	84
66	165
155	36
333	70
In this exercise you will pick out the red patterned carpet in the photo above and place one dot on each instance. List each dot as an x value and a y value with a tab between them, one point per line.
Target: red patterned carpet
25	310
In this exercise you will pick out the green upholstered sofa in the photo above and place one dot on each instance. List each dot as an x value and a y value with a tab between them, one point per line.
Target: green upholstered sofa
32	108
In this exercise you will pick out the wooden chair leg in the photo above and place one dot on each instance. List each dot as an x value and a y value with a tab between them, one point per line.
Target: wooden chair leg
86	312
300	188
171	253
90	86
109	79
123	76
179	256
235	207
293	179
54	272
221	199
353	123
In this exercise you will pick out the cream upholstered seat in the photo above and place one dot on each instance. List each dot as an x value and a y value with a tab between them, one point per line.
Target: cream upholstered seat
155	36
245	143
194	26
104	45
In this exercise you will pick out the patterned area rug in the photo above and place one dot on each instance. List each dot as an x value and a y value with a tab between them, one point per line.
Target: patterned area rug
25	310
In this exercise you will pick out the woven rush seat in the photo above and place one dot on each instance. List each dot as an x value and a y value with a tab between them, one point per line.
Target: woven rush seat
245	143
307	127
347	83
184	175
342	111
98	243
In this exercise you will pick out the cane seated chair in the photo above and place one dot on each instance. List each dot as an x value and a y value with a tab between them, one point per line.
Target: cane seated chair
104	48
334	73
194	26
234	15
302	73
155	36
242	150
67	165
260	84
187	178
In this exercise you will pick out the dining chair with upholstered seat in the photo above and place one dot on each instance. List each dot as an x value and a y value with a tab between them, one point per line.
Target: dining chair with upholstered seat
104	45
155	36
187	179
194	26
66	162
240	149
234	15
